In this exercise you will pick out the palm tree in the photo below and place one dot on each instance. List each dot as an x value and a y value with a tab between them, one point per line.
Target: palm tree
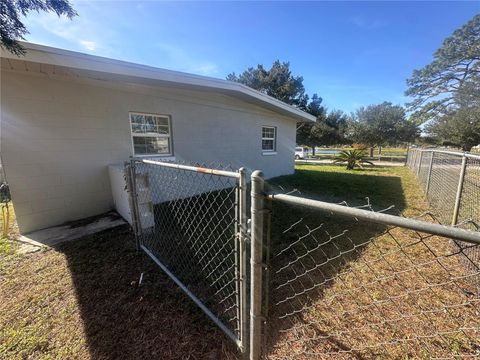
352	158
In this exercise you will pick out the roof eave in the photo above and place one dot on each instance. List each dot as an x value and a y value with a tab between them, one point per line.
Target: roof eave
81	61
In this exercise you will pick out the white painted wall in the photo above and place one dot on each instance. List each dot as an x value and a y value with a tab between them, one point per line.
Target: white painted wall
58	137
120	195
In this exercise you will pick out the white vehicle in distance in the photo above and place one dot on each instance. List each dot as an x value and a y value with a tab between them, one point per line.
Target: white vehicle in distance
300	153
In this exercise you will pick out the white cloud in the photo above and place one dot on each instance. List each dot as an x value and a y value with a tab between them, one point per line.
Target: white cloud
88	32
79	33
84	34
356	105
89	45
174	57
364	23
206	69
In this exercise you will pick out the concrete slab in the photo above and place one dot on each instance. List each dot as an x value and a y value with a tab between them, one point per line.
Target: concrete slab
70	231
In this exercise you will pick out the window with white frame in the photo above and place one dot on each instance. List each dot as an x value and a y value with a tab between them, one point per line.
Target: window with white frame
269	138
151	134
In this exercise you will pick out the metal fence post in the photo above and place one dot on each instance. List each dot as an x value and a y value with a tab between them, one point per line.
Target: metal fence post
256	264
416	159
130	177
414	163
429	174
407	155
242	228
419	163
458	197
267	258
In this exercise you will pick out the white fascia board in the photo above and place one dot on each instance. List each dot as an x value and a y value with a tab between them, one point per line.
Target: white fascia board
135	72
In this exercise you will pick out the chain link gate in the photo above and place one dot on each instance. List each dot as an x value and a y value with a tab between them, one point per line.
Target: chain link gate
191	221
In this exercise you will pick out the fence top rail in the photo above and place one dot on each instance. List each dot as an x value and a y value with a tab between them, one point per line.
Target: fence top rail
367	215
231	174
456	153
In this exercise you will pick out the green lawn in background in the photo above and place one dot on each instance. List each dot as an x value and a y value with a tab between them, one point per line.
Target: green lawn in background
387	152
384	186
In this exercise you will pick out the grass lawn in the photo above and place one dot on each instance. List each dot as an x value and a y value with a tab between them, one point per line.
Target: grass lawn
386	152
81	300
342	288
384	186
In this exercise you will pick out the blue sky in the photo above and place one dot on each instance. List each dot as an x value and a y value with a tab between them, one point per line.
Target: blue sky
350	53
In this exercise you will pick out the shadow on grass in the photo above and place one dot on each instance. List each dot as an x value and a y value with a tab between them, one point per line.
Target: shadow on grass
311	251
195	239
123	320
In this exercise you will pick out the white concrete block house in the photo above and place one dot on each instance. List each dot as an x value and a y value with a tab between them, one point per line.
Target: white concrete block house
66	116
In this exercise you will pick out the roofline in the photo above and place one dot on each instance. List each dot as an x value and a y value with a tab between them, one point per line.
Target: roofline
77	60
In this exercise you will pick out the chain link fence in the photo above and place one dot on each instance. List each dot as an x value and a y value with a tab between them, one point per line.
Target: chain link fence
343	283
451	181
325	280
190	219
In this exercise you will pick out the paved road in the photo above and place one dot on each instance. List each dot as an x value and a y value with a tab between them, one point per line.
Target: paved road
329	162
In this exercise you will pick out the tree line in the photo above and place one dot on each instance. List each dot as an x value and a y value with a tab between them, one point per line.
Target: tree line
373	126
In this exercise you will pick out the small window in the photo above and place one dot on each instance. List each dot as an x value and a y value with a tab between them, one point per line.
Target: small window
151	134
269	138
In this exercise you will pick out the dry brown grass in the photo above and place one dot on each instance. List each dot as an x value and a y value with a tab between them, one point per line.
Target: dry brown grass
369	292
82	301
391	299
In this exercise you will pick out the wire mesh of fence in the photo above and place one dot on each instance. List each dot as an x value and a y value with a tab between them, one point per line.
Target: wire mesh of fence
470	197
469	211
423	171
340	287
326	280
440	174
189	220
452	186
444	179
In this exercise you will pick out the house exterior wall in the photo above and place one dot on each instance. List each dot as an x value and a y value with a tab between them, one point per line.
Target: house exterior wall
58	137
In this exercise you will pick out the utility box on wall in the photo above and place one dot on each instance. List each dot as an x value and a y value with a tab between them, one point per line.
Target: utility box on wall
144	201
121	196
